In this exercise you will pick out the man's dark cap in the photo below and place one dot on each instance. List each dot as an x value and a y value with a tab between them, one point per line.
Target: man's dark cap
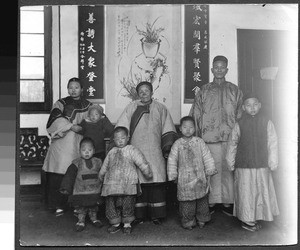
144	83
220	58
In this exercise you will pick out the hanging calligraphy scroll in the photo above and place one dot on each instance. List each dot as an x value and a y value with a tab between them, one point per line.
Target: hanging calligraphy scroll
91	47
196	49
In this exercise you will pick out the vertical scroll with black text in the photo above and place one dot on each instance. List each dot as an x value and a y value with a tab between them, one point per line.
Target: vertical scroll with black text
196	35
91	47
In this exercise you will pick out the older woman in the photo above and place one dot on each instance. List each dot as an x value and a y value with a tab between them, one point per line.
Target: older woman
152	131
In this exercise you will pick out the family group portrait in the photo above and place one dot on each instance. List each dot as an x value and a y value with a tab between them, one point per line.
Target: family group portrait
157	125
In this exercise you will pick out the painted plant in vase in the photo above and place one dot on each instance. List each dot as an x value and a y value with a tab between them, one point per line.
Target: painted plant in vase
150	39
149	65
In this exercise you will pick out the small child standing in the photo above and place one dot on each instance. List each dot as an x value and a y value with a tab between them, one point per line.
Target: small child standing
252	152
82	184
96	126
191	165
120	181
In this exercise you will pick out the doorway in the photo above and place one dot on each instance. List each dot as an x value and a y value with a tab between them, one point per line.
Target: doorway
266	65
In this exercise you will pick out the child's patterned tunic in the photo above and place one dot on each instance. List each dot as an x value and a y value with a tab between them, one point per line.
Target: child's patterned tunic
119	171
191	163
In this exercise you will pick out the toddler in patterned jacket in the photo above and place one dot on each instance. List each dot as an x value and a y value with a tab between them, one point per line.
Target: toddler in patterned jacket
120	181
190	164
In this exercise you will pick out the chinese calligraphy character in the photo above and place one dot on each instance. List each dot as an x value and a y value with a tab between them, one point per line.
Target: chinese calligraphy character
91	90
90	33
82	67
196	20
91	76
91	48
196	48
197	34
91	18
91	62
196	77
82	33
197	7
205	46
196	89
196	62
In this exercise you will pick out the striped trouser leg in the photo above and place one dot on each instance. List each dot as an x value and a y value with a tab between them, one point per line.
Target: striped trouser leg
141	205
157	201
152	202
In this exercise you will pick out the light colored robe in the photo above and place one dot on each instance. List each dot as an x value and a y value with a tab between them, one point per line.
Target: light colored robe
254	192
148	134
64	146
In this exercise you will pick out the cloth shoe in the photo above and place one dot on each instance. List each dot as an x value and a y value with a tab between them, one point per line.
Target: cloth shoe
79	226
127	230
113	229
188	228
157	221
201	224
228	210
59	212
97	223
251	228
138	221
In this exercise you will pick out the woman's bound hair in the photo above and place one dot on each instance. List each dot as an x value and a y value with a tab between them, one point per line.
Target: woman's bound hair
75	79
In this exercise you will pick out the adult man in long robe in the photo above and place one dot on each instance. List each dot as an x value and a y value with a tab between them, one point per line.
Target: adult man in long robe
216	107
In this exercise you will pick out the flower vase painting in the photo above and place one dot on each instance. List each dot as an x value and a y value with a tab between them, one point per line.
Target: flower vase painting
145	49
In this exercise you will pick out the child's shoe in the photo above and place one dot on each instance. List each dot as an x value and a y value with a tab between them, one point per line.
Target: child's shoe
76	212
79	226
157	221
201	224
127	230
138	221
113	229
97	223
59	212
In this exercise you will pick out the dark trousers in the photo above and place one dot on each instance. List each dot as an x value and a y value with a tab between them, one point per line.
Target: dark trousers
54	199
152	202
194	211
